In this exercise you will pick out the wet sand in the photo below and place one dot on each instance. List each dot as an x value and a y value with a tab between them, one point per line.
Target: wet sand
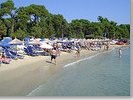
22	76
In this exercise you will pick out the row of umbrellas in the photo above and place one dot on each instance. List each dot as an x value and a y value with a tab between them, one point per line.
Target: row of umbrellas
33	42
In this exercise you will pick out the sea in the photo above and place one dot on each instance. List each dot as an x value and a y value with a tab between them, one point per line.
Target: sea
103	74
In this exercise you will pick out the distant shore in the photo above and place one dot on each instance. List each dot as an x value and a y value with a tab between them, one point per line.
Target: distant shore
22	76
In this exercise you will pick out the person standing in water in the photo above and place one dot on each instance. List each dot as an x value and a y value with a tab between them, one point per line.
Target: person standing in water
120	52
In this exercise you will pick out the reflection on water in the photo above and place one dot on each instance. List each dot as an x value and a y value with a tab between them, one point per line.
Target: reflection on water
103	75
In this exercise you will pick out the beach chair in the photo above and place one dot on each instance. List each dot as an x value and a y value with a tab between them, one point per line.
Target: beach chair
32	50
36	47
9	55
29	51
16	54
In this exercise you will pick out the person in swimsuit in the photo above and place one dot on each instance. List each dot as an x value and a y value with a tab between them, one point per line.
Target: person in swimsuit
53	55
120	52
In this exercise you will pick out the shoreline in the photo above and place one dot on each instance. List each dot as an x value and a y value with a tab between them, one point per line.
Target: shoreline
22	79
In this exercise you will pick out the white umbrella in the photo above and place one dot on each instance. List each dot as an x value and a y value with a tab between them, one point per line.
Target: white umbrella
47	40
46	46
34	42
16	41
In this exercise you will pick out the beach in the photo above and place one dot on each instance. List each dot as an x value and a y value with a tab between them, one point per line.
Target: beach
60	42
22	76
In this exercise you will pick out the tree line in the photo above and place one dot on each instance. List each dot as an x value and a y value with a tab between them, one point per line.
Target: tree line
35	20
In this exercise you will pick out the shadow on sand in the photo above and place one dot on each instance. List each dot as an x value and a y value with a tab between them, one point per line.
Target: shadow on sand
50	62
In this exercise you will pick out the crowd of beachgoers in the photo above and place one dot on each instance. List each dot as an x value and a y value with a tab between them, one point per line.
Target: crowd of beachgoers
13	49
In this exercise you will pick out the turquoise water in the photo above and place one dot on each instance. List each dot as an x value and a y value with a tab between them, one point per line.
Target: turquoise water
104	74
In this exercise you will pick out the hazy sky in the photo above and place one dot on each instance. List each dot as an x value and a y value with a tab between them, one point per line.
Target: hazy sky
114	10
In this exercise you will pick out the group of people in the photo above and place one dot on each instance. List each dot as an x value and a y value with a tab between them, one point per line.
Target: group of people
56	52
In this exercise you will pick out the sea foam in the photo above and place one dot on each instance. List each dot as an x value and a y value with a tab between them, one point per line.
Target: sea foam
90	57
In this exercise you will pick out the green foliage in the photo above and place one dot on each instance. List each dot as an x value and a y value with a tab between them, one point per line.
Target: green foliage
2	29
35	20
76	29
60	25
7	9
20	34
35	31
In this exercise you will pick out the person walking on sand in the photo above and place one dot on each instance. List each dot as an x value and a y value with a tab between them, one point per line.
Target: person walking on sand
120	52
53	54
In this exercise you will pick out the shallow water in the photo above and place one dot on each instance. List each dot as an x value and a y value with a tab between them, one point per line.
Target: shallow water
105	74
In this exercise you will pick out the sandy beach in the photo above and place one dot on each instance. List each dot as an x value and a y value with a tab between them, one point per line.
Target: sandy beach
22	76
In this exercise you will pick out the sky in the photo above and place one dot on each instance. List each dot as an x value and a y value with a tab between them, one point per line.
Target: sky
113	10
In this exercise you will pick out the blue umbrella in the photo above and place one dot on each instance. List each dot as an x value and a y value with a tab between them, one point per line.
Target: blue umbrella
7	39
26	39
4	44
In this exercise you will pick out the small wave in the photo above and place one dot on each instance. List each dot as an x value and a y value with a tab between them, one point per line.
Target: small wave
33	91
90	57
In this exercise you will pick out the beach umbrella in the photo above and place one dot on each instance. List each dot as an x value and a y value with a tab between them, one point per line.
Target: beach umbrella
47	40
16	42
26	39
46	46
38	39
55	41
34	42
4	44
6	39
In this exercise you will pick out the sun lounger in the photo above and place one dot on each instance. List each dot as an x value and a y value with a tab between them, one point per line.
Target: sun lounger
16	54
9	55
29	51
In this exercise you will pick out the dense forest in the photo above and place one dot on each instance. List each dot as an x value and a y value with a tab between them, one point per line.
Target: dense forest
35	20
